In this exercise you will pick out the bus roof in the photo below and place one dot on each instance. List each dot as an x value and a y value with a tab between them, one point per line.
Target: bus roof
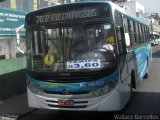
113	6
69	4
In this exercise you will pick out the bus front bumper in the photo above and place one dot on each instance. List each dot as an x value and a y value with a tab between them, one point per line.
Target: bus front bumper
109	102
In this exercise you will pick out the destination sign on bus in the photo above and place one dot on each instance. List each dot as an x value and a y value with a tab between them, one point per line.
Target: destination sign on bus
74	14
66	14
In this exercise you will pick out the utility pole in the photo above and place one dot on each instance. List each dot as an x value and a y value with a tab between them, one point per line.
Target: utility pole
38	4
151	24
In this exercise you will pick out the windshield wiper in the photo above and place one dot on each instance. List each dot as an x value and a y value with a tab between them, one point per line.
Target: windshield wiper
48	36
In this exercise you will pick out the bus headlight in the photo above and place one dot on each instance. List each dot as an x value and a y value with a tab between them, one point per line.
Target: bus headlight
35	90
106	89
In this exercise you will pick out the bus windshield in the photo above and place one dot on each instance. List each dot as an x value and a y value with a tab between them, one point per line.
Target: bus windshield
73	48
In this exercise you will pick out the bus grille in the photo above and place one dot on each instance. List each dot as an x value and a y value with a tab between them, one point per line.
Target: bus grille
58	106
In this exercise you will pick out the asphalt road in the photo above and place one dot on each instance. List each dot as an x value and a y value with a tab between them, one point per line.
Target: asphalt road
144	103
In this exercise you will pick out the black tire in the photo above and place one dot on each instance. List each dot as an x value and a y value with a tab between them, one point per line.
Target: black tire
147	75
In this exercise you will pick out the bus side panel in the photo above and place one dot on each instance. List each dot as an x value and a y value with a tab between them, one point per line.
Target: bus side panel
143	58
126	66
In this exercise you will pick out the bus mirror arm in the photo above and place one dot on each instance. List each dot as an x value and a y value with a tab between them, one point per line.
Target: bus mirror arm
18	38
121	38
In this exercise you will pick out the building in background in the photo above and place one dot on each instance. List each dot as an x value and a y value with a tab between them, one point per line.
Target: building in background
30	5
154	23
9	20
133	6
138	10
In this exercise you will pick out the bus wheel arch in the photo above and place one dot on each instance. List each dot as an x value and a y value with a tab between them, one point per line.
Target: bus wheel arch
147	71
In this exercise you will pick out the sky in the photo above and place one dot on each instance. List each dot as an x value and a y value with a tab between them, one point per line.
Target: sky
151	6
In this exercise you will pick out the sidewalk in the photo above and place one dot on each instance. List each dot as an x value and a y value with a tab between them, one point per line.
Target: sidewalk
16	105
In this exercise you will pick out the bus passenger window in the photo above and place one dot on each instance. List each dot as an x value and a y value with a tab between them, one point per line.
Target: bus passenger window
127	30
140	34
132	33
137	33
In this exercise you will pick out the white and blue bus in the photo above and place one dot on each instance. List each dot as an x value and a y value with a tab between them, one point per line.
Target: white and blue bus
85	56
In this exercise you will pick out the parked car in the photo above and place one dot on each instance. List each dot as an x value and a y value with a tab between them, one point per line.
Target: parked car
154	42
154	39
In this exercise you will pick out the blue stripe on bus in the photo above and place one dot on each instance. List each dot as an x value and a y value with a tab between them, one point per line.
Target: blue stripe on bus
73	87
141	57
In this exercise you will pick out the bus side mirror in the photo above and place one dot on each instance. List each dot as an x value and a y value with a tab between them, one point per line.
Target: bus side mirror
18	38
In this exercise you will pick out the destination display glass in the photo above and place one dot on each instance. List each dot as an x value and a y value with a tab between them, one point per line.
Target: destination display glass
68	13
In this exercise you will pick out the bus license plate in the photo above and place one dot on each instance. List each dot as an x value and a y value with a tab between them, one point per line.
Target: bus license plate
65	102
